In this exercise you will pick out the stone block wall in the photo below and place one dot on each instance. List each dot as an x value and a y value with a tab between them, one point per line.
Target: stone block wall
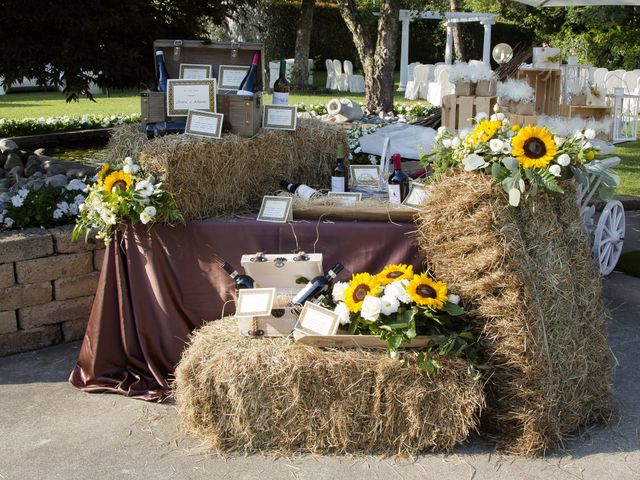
47	285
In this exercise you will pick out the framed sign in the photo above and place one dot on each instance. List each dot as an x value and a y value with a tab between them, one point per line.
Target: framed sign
346	198
193	71
365	174
280	117
185	95
230	76
204	124
255	302
276	209
418	194
316	320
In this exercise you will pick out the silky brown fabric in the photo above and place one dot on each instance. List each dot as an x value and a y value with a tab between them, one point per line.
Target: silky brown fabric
158	284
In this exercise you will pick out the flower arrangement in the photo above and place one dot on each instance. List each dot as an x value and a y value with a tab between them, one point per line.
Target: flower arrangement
397	305
124	195
45	206
465	72
522	160
516	91
11	127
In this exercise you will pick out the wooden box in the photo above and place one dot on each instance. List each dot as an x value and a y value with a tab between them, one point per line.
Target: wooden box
546	84
522	120
279	271
243	114
458	112
153	106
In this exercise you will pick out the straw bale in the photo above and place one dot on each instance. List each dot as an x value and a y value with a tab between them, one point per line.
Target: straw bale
274	396
529	280
229	176
126	141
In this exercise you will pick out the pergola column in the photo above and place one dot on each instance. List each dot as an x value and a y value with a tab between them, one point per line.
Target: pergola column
486	47
448	51
404	54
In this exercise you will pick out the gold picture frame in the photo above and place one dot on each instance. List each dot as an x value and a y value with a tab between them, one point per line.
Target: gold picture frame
184	95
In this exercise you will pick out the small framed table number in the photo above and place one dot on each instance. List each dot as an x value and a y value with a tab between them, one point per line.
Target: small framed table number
316	320
184	95
418	194
276	209
204	124
280	117
192	71
230	76
255	302
346	198
365	174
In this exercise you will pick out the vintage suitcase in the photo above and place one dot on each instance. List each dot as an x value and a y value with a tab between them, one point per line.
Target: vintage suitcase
279	271
242	114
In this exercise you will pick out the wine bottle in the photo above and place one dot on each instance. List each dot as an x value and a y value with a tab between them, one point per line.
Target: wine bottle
317	286
300	190
281	87
163	76
340	177
399	184
249	83
241	281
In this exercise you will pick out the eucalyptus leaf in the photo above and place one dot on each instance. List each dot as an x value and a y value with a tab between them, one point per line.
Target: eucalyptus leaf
495	169
514	197
474	162
453	309
511	163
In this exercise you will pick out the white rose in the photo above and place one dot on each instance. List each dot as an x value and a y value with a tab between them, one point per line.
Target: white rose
126	168
371	308
555	170
455	143
493	117
338	291
343	313
590	133
150	210
500	116
398	289
564	160
559	141
481	116
442	129
145	218
389	305
453	298
447	142
496	145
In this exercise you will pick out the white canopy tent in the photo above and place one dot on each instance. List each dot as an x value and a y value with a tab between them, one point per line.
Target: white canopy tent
407	16
576	3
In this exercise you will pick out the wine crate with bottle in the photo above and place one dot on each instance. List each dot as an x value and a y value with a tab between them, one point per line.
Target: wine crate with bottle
242	113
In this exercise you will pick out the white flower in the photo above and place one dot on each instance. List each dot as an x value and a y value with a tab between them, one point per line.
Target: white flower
455	142
441	130
559	141
564	160
144	188
447	142
57	214
500	116
493	117
17	200
481	116
555	170
506	148
590	133
76	184
453	298
107	217
8	222
495	144
23	192
343	313
64	206
398	289
150	210
389	305
357	150
463	133
371	308
587	146
338	291
579	135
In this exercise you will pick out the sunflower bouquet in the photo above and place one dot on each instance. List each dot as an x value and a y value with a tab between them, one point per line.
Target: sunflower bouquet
523	160
397	305
120	195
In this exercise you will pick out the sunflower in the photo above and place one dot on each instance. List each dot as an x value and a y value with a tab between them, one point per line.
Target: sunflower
117	179
515	128
425	291
360	285
103	171
484	131
394	272
534	147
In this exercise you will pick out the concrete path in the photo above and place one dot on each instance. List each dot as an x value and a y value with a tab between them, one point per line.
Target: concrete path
50	430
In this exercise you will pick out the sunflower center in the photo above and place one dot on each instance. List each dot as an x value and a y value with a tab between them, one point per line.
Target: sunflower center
426	291
535	148
120	184
360	292
394	274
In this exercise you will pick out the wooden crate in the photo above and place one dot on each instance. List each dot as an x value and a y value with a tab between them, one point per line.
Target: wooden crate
522	120
546	84
598	113
458	112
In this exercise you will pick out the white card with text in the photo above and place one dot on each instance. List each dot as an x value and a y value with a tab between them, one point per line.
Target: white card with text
255	302
280	117
317	320
204	124
276	209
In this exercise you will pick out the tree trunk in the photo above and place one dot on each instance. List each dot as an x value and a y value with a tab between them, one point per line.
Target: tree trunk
457	34
303	38
378	55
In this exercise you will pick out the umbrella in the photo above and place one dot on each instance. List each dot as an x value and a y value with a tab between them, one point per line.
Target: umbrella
576	3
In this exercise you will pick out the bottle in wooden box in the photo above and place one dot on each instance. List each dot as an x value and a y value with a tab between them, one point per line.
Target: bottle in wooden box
153	106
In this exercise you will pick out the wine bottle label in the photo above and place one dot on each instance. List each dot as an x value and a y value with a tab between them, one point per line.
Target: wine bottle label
306	192
280	98
337	184
395	193
302	293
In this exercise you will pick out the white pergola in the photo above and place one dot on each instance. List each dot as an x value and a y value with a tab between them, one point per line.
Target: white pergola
407	16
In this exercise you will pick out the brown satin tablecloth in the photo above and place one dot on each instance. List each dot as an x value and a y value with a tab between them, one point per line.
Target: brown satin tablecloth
158	284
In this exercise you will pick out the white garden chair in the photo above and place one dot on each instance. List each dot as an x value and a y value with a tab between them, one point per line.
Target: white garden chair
274	72
355	82
630	80
419	86
340	82
598	77
330	74
410	69
612	81
441	86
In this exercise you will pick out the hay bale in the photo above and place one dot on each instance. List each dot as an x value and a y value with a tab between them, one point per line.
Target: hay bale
230	176
529	279
271	395
126	141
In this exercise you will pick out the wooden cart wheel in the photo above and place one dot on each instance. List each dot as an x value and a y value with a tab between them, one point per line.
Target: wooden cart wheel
609	236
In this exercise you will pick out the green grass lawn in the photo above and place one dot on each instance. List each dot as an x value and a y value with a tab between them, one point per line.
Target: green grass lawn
629	168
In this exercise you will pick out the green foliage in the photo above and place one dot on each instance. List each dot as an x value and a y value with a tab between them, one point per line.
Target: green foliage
10	127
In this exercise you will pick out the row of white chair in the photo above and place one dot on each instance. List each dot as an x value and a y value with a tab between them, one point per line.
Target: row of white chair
429	82
610	80
343	81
